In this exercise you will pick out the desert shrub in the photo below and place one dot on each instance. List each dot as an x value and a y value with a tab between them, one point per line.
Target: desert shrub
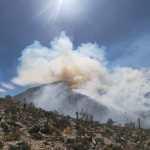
34	129
4	126
77	146
1	145
112	147
11	136
20	146
44	128
36	136
110	122
8	97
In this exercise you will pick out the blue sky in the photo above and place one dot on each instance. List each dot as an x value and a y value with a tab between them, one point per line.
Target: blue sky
122	26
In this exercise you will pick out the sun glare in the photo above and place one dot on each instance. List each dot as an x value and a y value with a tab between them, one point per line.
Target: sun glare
67	8
55	10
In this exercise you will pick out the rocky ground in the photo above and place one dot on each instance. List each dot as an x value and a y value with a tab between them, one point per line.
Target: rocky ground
24	127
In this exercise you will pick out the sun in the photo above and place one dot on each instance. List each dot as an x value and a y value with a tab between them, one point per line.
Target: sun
66	4
55	10
60	3
68	8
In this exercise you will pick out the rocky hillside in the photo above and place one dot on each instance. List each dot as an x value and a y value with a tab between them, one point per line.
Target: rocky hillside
24	127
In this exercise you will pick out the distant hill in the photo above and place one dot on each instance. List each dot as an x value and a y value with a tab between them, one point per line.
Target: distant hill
58	96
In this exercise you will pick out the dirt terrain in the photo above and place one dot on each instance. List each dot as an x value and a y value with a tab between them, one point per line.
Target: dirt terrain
24	127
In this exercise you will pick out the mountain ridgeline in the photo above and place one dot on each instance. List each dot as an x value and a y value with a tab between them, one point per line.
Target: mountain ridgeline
59	97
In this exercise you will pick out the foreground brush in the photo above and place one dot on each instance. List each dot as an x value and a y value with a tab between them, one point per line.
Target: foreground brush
24	127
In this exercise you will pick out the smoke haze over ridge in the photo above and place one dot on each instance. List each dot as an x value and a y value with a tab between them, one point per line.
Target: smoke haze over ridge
86	71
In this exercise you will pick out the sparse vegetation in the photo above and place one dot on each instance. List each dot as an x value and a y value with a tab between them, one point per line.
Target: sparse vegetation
41	130
20	146
1	145
14	136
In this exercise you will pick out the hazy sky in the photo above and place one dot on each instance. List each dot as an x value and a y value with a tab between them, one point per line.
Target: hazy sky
122	26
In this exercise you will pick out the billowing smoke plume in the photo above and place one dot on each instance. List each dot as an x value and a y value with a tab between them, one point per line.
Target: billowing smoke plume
40	64
125	90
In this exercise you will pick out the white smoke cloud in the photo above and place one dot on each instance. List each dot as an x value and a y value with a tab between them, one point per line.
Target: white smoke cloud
39	64
2	90
8	86
85	69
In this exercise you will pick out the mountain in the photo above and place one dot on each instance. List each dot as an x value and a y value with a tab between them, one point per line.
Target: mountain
58	96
